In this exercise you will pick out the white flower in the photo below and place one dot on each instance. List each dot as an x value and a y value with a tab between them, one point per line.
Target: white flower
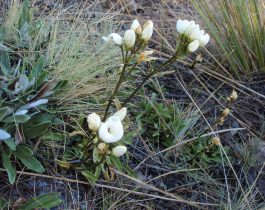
193	46
112	130
93	121
115	38
182	25
196	34
204	40
135	25
192	27
119	151
129	39
121	113
147	31
192	30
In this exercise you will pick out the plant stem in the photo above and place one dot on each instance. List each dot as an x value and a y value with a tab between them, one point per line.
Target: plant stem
172	59
126	60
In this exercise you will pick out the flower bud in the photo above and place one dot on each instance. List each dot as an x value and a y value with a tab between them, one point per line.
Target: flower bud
121	113
233	96
103	148
119	151
221	120
135	25
115	38
147	31
215	141
138	30
129	39
93	121
225	112
193	46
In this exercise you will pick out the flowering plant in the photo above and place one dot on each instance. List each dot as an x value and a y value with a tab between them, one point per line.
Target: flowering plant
103	147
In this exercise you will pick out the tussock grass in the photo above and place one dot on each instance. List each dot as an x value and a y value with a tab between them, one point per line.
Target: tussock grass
237	26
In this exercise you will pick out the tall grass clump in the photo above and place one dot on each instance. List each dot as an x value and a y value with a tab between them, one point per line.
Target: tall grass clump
238	29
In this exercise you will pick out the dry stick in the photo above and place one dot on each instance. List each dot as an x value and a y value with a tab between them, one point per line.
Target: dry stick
96	185
178	198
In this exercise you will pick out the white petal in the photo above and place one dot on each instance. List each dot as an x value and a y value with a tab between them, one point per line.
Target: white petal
119	151
135	25
129	39
193	46
117	39
112	130
196	34
121	113
182	26
192	28
204	40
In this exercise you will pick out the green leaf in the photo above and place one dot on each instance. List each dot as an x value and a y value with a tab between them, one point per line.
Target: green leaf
25	154
116	162
37	68
3	204
36	130
4	111
5	64
4	48
41	78
10	143
4	135
11	171
17	119
46	201
24	17
90	176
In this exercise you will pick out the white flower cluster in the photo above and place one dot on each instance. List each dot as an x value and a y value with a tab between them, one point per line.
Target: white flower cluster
111	130
194	33
130	36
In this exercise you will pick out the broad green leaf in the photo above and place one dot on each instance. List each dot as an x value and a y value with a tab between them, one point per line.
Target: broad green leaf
4	111
17	119
36	130
10	143
11	171
25	154
46	201
89	176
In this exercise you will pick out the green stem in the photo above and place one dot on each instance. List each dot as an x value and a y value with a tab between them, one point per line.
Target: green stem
126	60
172	59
